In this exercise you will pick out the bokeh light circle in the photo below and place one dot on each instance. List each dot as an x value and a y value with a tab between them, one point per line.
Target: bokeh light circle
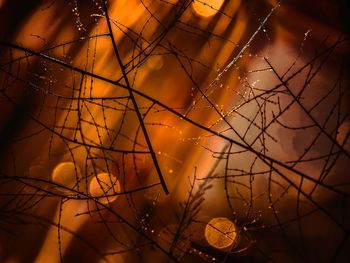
66	174
207	8
220	233
104	186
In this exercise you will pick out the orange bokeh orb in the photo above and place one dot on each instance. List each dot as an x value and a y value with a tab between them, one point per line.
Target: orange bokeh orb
220	233
66	174
104	187
207	8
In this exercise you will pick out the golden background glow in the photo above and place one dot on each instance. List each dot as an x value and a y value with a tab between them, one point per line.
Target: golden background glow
240	106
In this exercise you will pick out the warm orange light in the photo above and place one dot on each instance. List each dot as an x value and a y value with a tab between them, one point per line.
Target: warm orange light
155	62
207	8
104	186
342	137
220	233
66	174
